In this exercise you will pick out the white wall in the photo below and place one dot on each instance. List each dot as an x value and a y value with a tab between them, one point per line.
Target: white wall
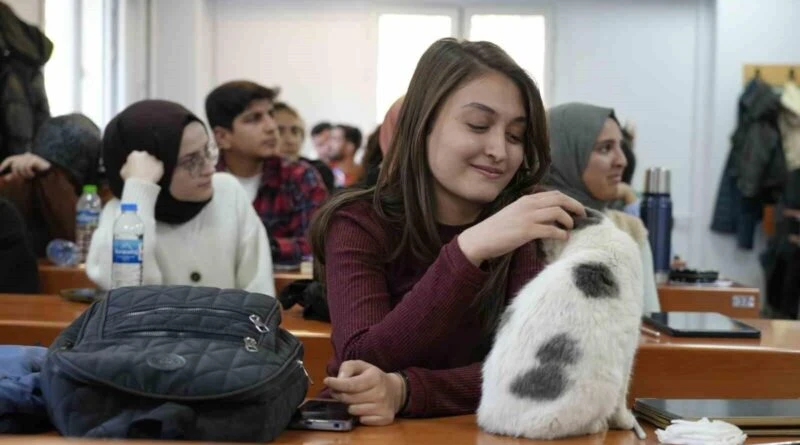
746	32
180	55
641	59
31	11
322	55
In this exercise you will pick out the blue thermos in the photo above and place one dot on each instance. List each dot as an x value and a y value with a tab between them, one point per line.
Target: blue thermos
656	213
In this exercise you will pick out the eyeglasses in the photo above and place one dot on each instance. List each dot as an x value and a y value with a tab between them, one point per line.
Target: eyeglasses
196	162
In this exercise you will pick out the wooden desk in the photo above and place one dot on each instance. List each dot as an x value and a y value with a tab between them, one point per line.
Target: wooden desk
721	368
736	301
53	279
664	367
448	430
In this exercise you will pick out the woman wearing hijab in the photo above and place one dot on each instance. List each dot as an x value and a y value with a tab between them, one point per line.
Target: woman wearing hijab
200	228
45	185
588	164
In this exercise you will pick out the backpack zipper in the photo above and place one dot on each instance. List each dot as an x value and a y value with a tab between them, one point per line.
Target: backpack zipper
305	371
260	324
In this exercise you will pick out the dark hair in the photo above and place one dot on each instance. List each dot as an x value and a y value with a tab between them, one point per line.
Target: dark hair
351	134
283	106
320	127
403	197
373	156
230	99
627	148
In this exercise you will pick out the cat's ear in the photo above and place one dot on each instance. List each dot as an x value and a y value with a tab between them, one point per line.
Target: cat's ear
593	217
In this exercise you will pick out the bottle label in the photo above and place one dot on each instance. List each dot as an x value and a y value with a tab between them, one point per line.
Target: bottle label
86	216
128	251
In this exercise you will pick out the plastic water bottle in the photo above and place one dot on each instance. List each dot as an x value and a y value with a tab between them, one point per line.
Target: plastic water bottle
87	217
62	252
656	213
126	269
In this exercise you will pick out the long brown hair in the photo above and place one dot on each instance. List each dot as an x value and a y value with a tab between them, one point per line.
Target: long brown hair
403	196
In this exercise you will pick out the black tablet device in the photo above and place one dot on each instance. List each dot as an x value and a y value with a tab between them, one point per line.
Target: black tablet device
699	324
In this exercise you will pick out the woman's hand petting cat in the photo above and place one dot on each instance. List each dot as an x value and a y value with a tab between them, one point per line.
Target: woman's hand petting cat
24	166
372	395
530	217
142	165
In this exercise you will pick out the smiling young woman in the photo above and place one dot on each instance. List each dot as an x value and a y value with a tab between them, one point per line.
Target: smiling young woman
418	268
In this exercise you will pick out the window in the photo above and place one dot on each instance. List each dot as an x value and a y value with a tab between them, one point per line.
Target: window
403	37
521	36
79	76
399	50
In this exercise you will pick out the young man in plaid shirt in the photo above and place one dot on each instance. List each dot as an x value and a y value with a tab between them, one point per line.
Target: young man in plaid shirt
285	193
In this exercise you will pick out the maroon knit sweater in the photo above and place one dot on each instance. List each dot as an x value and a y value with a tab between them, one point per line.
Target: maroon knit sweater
410	315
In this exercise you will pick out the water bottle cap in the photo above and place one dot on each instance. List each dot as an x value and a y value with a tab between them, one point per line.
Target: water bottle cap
128	207
90	188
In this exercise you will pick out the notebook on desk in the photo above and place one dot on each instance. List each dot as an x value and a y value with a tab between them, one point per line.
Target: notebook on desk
699	324
756	417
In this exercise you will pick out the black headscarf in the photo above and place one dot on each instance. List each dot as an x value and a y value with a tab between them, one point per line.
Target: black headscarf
154	126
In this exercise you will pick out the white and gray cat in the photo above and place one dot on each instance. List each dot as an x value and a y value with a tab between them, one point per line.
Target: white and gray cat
563	353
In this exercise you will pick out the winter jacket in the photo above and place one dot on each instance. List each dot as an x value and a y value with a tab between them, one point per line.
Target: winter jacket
72	145
22	408
781	260
23	101
755	171
19	271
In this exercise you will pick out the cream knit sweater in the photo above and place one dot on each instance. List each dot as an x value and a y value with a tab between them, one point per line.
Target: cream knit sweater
224	246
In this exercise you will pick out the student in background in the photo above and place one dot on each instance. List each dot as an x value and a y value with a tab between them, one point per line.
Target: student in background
284	193
588	162
200	228
418	269
379	143
292	131
345	142
321	138
19	271
46	184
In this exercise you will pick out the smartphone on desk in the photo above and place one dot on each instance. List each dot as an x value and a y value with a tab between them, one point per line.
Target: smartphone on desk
82	295
323	415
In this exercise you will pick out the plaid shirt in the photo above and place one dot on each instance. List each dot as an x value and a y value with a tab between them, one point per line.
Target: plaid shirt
289	194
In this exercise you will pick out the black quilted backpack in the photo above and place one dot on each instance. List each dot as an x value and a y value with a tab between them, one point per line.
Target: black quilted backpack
175	362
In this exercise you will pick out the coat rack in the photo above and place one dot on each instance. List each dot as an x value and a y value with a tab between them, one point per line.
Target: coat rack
775	75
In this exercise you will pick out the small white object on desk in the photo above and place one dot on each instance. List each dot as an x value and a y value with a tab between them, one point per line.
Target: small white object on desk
701	432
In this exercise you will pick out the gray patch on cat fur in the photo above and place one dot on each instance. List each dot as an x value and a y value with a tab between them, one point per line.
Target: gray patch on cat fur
546	382
561	349
595	280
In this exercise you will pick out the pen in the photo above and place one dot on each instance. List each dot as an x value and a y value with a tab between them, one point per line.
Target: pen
638	430
651	332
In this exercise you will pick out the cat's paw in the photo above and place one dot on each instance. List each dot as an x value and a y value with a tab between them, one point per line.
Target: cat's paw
622	419
598	426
